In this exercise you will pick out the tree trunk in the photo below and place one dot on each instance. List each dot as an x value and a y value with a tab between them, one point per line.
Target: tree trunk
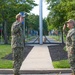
62	38
5	32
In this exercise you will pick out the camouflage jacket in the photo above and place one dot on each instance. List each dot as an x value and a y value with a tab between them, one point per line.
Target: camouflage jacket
17	35
70	40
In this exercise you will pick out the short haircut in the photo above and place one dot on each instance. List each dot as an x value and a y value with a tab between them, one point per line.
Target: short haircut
18	16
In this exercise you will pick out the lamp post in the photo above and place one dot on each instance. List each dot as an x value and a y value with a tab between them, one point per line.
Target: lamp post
24	28
40	23
23	14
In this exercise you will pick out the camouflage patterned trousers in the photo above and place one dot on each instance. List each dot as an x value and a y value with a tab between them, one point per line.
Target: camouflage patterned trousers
71	57
18	59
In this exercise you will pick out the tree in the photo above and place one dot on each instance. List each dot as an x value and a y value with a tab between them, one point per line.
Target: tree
8	10
45	27
60	11
33	22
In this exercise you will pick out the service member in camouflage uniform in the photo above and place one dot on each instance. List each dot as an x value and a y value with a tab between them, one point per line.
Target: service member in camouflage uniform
17	43
70	43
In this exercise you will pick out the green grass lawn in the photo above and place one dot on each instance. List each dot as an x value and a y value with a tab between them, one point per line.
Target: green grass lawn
30	38
57	38
61	64
5	50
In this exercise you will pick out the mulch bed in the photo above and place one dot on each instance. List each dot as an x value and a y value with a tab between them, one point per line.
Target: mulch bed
25	53
57	52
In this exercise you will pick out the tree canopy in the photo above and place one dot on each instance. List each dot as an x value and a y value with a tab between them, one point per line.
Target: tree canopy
8	10
60	11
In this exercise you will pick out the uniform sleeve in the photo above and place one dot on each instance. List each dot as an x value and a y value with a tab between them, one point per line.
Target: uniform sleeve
17	27
65	32
73	40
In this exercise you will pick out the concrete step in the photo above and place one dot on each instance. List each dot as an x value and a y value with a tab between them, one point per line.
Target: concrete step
41	74
52	71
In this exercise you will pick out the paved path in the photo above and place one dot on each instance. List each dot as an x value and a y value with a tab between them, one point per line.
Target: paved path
38	59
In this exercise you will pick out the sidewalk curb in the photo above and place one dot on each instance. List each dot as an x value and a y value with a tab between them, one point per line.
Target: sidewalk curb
10	71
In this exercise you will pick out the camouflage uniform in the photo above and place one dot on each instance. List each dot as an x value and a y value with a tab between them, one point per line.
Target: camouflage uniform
70	46
17	45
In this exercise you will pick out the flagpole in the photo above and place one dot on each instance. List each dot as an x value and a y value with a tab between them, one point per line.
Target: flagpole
40	23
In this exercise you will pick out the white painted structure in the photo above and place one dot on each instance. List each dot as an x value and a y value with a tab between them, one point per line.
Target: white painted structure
40	23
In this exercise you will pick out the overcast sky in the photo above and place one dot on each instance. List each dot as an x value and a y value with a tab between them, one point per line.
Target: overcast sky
35	10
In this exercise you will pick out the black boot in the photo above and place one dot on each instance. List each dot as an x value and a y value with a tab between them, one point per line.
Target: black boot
17	74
